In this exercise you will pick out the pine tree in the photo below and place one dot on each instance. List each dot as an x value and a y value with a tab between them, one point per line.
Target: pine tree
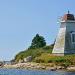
38	42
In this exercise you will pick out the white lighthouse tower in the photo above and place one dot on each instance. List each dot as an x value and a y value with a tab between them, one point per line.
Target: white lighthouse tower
65	41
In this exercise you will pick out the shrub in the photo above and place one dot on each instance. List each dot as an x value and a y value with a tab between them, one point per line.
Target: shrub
38	42
39	61
66	64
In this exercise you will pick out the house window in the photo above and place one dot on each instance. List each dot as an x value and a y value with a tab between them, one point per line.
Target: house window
73	38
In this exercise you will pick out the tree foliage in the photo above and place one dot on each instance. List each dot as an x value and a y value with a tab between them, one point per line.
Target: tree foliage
38	42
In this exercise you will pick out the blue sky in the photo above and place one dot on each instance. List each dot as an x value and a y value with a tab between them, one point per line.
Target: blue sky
21	20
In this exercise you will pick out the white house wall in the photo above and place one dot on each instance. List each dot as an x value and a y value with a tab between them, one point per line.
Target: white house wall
60	40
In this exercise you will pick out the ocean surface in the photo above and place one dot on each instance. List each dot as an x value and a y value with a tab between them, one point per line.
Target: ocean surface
33	72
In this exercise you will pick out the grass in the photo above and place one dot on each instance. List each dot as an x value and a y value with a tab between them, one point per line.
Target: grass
33	52
57	60
44	55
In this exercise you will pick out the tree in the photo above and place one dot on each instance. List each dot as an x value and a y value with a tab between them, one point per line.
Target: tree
38	42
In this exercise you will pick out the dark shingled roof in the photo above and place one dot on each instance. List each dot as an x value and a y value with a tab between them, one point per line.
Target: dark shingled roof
68	17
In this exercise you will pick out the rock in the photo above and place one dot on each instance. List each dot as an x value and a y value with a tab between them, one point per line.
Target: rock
59	67
28	59
71	68
51	68
43	67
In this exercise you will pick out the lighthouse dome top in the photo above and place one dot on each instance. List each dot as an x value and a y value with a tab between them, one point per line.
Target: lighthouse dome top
68	17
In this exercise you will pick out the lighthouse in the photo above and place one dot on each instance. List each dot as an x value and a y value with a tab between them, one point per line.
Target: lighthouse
65	40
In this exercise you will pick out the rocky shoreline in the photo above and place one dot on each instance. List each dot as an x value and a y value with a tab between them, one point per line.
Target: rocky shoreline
38	66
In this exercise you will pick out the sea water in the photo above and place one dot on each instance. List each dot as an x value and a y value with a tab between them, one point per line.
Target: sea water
33	72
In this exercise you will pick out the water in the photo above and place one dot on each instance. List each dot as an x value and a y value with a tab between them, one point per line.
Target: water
33	72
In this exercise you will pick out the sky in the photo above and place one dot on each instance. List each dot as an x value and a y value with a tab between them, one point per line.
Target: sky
21	20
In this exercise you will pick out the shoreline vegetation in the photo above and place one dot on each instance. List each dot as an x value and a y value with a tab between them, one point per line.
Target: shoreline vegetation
44	61
39	56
